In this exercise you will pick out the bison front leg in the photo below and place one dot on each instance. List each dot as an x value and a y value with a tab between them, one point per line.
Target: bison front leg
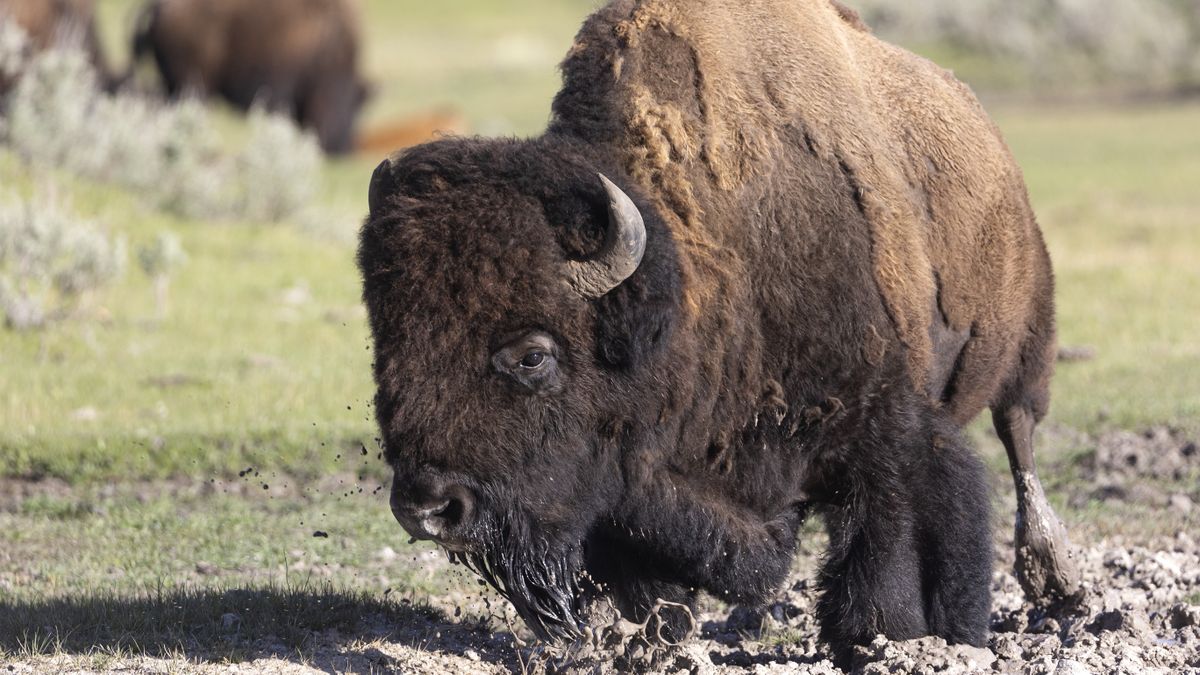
1045	568
910	547
637	588
695	540
871	580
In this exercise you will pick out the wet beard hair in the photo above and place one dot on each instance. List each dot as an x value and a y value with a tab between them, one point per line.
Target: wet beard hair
540	576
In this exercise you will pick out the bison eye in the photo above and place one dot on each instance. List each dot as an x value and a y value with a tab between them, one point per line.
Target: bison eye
531	361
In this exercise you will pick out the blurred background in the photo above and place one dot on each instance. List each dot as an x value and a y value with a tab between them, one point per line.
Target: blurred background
183	354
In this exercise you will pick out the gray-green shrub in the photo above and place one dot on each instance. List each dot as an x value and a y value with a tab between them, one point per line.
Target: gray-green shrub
170	153
1147	43
50	260
13	45
277	168
159	261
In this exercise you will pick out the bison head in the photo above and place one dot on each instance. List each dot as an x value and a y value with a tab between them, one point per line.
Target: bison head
518	301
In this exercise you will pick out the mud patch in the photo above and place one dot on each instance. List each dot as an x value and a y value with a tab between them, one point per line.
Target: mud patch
1161	453
1159	467
1141	615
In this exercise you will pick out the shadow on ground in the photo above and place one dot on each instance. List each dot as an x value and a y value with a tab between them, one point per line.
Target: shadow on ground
319	627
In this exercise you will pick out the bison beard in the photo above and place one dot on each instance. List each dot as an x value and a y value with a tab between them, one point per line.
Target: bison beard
538	575
693	545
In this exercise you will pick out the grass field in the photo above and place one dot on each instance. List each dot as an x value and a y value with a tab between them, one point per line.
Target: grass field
122	438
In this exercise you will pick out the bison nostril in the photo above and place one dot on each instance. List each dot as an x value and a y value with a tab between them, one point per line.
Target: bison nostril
439	519
451	513
433	519
446	516
441	516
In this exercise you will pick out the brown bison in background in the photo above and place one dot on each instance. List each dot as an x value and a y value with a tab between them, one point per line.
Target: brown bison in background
808	261
298	57
384	139
53	23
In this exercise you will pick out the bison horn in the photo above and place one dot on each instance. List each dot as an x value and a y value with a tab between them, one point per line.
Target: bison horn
379	186
619	255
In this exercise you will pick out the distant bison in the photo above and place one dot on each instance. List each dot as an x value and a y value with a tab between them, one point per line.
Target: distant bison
807	261
298	57
56	23
409	131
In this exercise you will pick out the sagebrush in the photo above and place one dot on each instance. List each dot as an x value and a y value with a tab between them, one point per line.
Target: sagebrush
51	260
159	261
172	153
1082	43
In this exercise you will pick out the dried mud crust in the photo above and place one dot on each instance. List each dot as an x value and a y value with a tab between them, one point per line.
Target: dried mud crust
1159	468
1136	618
1141	615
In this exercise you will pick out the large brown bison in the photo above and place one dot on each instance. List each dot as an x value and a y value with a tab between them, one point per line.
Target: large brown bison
298	57
760	264
58	23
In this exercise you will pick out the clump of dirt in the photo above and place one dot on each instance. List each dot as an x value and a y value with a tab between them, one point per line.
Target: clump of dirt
929	654
1161	453
1139	616
1158	467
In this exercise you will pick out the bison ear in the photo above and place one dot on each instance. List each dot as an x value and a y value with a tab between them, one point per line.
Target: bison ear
636	318
383	185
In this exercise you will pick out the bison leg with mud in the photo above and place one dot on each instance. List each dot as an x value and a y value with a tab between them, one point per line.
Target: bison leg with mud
627	357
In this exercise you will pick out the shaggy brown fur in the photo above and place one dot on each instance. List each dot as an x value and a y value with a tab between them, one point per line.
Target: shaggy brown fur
928	168
50	23
296	56
957	254
841	270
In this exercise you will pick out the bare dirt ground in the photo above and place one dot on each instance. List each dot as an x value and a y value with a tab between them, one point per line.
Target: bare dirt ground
1141	613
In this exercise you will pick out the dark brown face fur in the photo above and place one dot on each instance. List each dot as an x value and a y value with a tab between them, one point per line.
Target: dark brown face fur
495	379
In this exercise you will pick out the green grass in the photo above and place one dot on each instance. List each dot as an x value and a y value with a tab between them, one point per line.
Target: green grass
174	534
263	361
1115	190
239	375
153	567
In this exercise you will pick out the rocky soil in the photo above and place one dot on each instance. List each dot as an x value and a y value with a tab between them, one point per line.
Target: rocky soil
1141	613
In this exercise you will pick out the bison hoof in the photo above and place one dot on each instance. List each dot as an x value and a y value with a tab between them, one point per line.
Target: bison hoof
1046	566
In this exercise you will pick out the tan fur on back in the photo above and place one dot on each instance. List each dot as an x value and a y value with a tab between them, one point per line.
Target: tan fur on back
943	196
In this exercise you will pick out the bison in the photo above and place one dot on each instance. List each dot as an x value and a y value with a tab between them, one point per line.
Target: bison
298	57
406	132
761	264
54	23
